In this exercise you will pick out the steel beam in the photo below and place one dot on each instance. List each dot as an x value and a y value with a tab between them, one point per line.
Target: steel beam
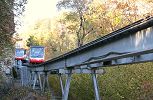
20	63
96	88
35	80
85	70
67	85
45	81
30	79
61	84
40	82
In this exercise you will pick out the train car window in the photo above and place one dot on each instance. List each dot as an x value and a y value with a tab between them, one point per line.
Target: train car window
19	52
37	52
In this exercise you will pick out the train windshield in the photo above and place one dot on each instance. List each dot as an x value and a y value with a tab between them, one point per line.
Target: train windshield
19	52
37	52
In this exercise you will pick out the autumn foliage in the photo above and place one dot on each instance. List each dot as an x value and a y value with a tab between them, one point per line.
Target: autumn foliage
87	20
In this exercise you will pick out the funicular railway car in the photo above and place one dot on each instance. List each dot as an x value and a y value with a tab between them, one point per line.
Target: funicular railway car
20	54
37	54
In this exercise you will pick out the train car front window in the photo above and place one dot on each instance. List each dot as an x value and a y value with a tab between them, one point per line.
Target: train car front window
19	53
37	52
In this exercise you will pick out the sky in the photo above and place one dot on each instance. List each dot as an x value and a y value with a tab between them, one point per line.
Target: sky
37	9
41	9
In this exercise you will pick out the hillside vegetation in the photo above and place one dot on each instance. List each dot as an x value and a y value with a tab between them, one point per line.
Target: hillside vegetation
128	82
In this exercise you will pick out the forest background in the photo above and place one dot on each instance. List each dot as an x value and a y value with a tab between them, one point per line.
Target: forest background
84	21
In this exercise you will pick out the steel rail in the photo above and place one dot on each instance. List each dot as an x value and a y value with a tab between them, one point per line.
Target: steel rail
133	54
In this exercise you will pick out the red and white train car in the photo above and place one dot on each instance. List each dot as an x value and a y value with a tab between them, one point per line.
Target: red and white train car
37	54
20	54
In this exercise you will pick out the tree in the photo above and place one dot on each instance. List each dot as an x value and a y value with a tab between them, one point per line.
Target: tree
101	17
51	34
78	8
7	25
32	41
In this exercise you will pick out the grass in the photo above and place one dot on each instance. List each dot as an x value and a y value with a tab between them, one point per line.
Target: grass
128	82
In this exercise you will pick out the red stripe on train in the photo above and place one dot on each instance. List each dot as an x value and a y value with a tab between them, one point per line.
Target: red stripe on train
36	60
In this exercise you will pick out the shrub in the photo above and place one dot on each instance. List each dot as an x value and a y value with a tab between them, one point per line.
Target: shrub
128	82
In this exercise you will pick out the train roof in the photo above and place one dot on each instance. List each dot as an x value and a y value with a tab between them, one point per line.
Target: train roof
36	46
20	48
